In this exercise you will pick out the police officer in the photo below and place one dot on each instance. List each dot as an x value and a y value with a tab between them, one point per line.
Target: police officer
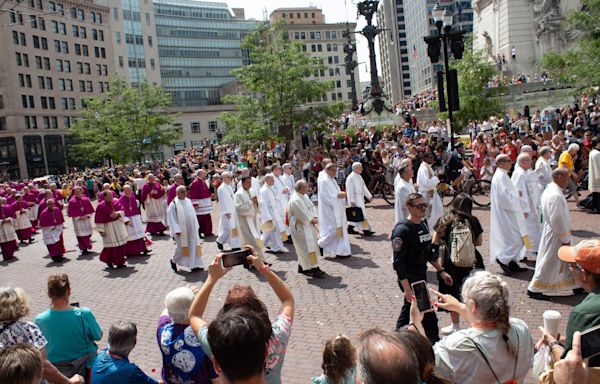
411	242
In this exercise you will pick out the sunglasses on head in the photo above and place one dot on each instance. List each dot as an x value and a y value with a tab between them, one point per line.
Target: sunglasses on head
419	206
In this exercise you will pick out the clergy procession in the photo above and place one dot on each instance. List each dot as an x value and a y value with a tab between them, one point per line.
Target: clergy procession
319	209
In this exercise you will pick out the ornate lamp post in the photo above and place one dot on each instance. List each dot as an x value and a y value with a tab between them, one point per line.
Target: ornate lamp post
367	8
445	37
350	64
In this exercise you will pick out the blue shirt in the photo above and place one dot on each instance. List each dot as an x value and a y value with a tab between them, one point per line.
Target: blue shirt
117	370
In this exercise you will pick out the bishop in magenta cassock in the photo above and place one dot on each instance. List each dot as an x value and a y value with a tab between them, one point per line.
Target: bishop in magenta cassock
135	229
172	192
51	222
22	223
110	222
80	210
201	200
8	237
152	196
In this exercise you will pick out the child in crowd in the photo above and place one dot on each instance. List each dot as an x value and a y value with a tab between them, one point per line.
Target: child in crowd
338	365
487	171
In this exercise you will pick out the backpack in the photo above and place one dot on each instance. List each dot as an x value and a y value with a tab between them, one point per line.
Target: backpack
462	248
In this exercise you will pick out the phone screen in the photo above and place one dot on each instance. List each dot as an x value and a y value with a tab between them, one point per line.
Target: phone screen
590	342
422	294
232	259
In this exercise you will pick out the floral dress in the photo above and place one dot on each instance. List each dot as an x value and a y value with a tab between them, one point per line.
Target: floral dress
20	332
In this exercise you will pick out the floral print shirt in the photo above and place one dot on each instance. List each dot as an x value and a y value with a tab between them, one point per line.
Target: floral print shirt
20	332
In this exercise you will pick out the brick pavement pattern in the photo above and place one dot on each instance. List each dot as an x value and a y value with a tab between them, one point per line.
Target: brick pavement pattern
357	293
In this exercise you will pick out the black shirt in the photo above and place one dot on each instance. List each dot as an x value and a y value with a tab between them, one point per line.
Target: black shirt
412	250
456	161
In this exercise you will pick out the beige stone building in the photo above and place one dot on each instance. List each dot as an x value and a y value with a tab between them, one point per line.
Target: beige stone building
324	41
527	28
55	53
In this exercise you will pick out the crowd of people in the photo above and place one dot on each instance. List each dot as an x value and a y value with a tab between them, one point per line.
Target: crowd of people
266	198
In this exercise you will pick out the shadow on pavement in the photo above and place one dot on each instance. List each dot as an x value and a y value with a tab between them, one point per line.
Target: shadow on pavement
380	237
140	259
328	282
57	264
584	233
357	250
90	256
120	272
354	262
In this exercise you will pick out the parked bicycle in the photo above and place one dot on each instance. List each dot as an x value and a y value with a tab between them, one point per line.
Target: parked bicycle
383	189
478	189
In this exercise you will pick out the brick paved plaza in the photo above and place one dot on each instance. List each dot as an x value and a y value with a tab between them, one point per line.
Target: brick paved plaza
357	294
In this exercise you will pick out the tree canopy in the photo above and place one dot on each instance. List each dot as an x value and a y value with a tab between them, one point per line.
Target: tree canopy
281	82
124	124
579	65
477	100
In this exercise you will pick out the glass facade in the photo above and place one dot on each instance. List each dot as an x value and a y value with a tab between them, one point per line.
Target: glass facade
134	41
199	44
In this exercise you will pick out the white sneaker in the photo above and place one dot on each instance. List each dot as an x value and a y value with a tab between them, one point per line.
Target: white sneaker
450	329
285	250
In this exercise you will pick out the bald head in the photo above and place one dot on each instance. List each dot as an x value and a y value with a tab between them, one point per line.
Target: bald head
383	357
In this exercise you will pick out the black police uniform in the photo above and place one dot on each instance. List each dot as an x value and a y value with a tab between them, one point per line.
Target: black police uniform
412	251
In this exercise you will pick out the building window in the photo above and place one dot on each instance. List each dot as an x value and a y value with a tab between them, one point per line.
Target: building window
150	41
77	49
212	126
81	86
44	102
195	127
152	64
41	82
118	37
75	31
116	13
63	103
121	61
83	32
66	122
54	122
46	122
47	63
148	18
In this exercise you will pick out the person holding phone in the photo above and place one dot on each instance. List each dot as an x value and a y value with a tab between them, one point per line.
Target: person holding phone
239	301
411	243
495	348
584	262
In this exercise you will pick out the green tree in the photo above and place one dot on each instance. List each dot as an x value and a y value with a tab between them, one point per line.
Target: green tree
280	81
579	65
477	101
124	124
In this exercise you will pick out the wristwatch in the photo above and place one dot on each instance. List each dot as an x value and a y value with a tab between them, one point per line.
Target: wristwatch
441	270
553	343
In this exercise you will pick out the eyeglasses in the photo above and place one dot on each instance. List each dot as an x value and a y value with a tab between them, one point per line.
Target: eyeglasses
419	206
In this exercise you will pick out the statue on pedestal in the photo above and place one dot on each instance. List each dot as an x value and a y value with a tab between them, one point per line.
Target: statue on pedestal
549	33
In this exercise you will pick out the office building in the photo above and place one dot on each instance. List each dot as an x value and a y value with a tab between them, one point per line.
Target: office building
55	54
199	44
419	24
393	50
134	40
324	41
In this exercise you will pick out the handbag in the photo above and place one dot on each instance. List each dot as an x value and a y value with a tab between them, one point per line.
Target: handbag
354	215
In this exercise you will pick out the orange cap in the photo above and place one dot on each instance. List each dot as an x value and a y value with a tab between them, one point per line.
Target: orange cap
586	253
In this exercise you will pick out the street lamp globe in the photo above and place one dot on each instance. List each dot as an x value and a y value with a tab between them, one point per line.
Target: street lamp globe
448	17
437	12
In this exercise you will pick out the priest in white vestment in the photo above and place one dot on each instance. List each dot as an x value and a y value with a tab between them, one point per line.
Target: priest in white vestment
247	208
255	184
594	174
303	221
288	181
183	225
552	275
356	192
543	168
272	214
282	193
228	227
428	182
402	188
526	183
332	216
507	223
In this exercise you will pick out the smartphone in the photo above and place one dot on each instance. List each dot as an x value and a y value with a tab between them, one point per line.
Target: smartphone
422	293
590	342
233	258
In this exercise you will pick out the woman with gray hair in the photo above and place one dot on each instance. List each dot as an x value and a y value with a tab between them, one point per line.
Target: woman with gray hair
495	348
184	360
112	365
14	305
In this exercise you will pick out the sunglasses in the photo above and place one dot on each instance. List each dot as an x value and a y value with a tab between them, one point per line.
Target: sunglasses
419	206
